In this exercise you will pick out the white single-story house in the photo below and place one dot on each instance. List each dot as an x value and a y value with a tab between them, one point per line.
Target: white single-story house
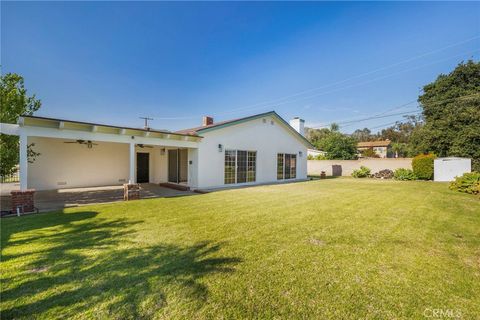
262	148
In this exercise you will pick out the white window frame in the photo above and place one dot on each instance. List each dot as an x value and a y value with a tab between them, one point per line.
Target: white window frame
236	166
283	162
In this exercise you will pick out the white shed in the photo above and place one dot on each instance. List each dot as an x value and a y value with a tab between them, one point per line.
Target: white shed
446	169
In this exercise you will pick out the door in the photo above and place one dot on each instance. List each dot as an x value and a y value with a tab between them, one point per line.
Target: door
142	167
182	165
177	165
173	166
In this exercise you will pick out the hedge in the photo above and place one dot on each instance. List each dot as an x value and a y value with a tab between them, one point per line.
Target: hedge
423	166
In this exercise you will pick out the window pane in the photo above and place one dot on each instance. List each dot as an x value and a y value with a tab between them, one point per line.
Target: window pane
230	169
287	166
280	166
241	166
251	166
293	166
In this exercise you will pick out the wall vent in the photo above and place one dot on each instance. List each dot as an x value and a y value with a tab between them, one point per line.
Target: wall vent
122	180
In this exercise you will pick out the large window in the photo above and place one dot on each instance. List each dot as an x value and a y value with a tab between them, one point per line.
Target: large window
286	166
240	166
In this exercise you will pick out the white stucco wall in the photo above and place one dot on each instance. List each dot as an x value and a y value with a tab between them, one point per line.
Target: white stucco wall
61	165
255	135
346	167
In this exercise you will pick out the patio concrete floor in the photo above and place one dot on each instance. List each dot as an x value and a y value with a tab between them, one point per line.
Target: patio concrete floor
62	198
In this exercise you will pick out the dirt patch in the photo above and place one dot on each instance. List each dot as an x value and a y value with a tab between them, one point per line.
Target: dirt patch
317	242
38	270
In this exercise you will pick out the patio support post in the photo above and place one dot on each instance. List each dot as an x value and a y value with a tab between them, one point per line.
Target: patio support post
23	162
23	200
132	163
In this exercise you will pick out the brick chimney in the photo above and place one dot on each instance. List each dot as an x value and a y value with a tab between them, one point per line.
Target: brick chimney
206	121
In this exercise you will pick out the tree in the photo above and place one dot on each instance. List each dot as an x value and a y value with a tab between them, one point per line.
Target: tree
336	144
451	109
339	146
363	135
401	131
14	103
334	127
316	135
400	149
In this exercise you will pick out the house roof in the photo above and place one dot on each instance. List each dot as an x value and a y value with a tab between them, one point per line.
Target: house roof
192	132
227	123
367	144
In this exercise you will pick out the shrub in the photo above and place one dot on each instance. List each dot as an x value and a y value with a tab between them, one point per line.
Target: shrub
404	174
363	172
469	183
317	157
423	166
369	153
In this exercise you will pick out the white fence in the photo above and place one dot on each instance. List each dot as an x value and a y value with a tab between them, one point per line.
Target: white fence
345	167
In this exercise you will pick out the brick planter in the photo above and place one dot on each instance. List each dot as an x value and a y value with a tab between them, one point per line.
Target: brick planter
23	200
131	191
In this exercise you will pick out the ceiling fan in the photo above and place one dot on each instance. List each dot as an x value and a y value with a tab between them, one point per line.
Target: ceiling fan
141	145
89	143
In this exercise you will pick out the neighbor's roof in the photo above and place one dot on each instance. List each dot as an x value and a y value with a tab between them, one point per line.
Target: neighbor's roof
385	143
223	124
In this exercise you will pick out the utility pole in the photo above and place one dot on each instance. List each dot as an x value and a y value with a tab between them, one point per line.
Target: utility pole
146	121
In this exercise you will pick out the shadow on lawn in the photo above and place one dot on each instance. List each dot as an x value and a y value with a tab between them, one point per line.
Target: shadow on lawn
92	265
37	222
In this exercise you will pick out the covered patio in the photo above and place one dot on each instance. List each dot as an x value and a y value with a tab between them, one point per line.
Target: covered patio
81	163
49	200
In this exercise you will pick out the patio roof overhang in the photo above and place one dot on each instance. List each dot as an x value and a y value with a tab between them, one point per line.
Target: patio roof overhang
67	129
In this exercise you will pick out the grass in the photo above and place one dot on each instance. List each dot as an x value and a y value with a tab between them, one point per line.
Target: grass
329	249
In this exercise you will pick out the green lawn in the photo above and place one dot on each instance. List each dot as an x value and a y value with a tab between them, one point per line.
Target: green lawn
326	249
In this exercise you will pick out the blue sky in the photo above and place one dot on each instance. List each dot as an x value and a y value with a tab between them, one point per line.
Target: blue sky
113	62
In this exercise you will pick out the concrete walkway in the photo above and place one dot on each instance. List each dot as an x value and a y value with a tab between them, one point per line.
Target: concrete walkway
62	198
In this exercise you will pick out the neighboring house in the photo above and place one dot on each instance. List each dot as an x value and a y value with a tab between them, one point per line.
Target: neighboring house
381	148
315	153
262	148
